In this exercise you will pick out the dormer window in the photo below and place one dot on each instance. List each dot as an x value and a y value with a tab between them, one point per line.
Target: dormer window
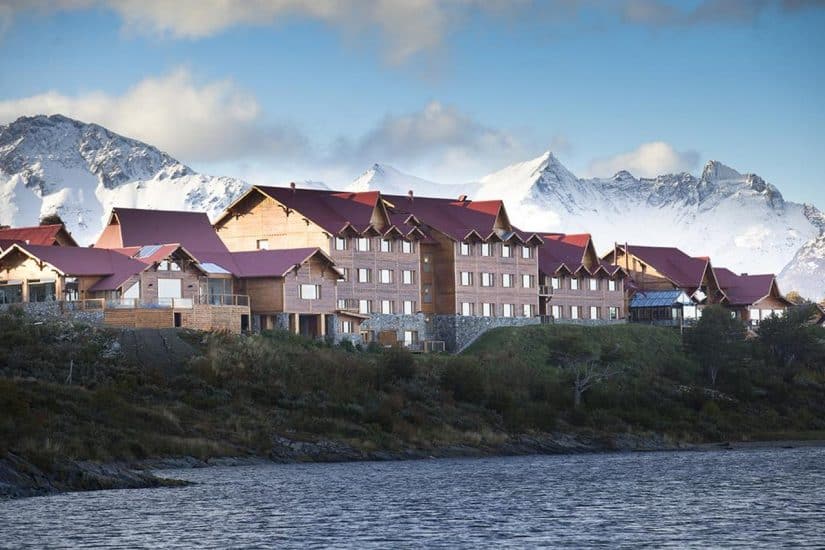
386	245
526	252
406	247
486	249
362	244
464	249
340	243
506	251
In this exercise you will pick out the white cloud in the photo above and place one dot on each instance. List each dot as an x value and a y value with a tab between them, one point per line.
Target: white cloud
444	142
647	160
211	121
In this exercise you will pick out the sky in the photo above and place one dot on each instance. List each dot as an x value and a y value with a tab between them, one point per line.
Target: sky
449	90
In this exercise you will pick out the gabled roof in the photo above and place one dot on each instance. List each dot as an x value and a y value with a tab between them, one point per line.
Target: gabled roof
568	251
262	263
458	219
130	227
333	211
79	262
745	289
683	270
38	235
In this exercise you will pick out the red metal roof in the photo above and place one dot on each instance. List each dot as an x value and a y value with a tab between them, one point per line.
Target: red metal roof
261	263
685	271
130	227
744	289
331	210
79	262
455	218
568	250
37	235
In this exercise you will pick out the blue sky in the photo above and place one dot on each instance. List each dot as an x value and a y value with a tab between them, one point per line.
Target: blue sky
446	90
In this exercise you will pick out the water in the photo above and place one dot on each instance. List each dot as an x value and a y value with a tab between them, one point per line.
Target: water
759	498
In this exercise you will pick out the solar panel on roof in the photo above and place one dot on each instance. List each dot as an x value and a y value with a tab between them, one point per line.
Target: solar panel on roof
147	251
213	269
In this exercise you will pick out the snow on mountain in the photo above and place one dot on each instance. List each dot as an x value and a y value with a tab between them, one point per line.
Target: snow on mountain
57	165
388	180
737	219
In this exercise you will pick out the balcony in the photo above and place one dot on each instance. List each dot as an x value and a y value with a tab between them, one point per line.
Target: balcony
224	300
545	290
172	303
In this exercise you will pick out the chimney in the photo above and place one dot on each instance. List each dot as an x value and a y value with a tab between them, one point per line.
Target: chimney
292	186
410	195
743	274
462	198
5	227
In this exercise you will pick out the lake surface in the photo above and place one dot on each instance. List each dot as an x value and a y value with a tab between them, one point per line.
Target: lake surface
757	498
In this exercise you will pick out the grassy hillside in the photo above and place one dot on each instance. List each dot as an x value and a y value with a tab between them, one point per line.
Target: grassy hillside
236	393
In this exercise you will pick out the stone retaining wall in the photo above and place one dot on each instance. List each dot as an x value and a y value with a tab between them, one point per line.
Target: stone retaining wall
57	310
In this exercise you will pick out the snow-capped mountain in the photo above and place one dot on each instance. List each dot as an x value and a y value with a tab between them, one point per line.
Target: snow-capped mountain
57	165
739	220
388	180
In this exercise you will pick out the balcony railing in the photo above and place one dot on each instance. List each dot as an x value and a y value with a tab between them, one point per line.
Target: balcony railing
224	300
177	303
545	290
349	304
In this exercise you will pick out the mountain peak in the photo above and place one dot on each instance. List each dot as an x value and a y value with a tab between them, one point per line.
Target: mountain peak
716	171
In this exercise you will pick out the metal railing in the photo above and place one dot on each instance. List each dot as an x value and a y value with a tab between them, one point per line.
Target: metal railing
545	290
224	300
349	304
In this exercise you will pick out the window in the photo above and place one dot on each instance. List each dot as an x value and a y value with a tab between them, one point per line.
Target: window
427	261
386	246
527	281
464	249
346	327
508	310
262	244
613	313
593	282
364	306
362	244
594	312
427	294
410	337
506	280
342	303
44	291
407	247
611	285
555	283
174	266
526	252
506	251
387	307
574	312
310	292
754	315
345	273
364	275
555	311
574	283
408	277
385	276
368	336
487	279
409	307
11	292
488	310
486	249
527	310
340	243
466	278
467	308
133	292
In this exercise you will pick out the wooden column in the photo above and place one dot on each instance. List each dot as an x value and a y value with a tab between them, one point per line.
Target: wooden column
296	325
322	325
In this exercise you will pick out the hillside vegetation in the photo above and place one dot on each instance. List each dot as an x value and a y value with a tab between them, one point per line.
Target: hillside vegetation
240	395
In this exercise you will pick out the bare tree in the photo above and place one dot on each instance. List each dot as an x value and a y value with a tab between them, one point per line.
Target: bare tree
588	373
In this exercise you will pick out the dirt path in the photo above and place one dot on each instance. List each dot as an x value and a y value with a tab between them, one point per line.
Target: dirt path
155	348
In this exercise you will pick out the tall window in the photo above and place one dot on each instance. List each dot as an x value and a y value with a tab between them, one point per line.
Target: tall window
427	261
486	249
488	310
574	312
385	276
508	310
342	303
555	311
365	306
340	243
408	277
527	280
574	283
555	282
487	279
594	312
262	244
593	282
346	327
410	337
527	310
613	313
387	307
364	275
406	247
611	285
466	278
386	245
506	280
464	249
467	308
506	251
362	244
409	307
345	273
526	252
310	292
427	294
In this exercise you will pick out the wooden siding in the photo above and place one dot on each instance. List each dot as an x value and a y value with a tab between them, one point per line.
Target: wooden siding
266	294
259	217
314	272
